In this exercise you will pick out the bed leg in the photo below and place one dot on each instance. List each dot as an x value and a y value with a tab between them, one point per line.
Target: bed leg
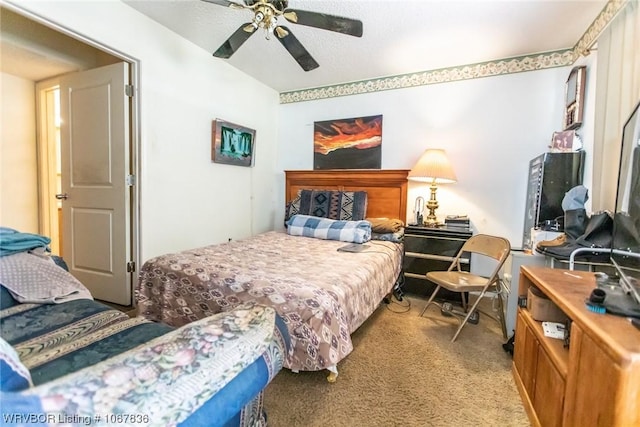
333	374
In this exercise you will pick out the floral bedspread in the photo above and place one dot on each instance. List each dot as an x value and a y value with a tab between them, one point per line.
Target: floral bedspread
160	383
323	295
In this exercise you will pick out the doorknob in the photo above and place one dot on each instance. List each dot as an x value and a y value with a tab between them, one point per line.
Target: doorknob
64	196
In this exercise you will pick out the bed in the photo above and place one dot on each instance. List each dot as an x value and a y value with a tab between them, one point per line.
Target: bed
66	359
322	294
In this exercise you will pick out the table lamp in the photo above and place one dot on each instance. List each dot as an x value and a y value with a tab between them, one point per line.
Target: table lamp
433	167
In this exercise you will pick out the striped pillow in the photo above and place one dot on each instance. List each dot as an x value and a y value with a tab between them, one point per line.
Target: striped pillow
329	229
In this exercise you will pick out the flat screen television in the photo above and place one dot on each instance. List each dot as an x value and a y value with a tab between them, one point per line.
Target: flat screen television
625	255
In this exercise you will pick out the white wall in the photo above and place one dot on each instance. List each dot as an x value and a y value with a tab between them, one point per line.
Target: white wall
186	200
491	128
18	164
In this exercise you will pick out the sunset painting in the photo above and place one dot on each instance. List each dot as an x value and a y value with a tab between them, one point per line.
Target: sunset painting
348	143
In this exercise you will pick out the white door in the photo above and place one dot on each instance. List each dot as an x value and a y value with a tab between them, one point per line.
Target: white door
95	157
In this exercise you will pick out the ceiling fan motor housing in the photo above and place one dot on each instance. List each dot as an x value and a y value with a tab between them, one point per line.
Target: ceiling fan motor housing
278	4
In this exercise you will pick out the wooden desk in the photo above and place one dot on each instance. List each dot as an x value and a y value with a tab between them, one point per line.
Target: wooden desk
593	382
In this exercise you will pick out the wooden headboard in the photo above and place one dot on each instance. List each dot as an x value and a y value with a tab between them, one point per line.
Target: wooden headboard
386	189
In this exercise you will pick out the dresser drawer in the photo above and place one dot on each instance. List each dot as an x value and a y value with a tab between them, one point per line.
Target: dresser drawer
442	246
431	249
421	265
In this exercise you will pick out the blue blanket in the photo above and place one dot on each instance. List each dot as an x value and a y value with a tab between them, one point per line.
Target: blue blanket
13	241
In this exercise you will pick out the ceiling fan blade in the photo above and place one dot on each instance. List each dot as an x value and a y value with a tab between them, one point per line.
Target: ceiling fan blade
339	24
295	48
234	42
225	3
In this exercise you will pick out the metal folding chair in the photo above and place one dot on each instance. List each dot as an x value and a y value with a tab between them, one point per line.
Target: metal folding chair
456	280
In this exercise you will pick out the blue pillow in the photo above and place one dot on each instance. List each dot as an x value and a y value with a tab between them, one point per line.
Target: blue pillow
14	376
329	229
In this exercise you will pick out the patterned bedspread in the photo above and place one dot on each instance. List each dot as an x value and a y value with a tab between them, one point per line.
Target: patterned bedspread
322	295
56	339
85	358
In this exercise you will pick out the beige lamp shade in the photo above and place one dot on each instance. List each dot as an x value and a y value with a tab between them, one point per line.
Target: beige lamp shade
433	166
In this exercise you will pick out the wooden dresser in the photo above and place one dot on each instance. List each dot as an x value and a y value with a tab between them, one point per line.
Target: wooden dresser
431	249
595	381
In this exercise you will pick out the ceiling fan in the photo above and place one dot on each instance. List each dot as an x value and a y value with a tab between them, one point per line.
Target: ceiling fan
265	16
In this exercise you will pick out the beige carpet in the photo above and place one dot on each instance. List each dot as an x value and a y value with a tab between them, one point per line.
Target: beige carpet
404	371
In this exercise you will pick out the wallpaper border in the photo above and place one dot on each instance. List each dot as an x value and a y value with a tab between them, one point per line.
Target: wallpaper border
533	62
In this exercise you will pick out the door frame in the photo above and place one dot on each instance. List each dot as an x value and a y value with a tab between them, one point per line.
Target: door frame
134	127
45	146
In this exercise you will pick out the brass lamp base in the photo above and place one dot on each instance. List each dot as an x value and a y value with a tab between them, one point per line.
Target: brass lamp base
431	220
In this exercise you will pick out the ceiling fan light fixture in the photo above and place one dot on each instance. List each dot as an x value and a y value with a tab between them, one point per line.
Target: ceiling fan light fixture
258	19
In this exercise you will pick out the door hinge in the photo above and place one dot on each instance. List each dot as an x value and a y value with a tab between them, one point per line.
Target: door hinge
131	180
131	266
128	90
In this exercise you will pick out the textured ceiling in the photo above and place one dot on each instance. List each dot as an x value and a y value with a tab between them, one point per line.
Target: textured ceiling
400	36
